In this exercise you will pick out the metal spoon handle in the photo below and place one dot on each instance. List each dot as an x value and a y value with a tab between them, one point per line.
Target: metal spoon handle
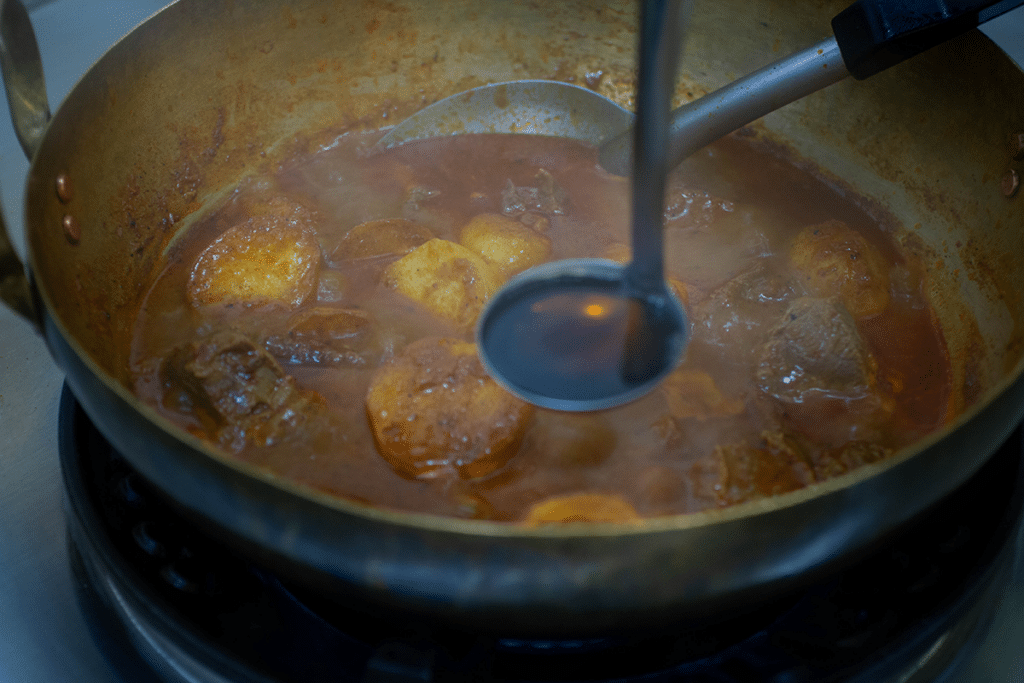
870	36
660	32
701	122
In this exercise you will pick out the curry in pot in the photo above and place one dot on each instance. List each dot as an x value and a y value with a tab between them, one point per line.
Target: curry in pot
319	323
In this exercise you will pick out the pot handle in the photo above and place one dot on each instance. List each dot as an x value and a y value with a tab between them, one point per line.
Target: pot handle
876	34
22	69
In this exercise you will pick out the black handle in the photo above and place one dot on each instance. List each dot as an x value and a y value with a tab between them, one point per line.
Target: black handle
876	34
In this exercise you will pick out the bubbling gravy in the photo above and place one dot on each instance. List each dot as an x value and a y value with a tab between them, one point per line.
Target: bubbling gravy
319	324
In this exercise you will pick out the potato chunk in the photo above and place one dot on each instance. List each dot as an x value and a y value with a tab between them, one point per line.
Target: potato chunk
505	243
434	411
832	259
447	278
376	239
582	507
270	258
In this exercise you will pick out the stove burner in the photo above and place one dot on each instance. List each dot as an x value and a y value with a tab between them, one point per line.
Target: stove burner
153	584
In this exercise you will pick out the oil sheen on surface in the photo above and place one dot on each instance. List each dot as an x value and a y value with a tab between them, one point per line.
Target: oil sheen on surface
812	349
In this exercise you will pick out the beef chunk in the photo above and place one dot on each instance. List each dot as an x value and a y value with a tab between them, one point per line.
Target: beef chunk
380	239
816	349
818	370
547	197
571	440
740	472
694	394
736	317
238	391
776	463
834	462
325	336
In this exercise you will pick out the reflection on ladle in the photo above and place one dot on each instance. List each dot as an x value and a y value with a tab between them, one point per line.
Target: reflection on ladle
588	334
569	336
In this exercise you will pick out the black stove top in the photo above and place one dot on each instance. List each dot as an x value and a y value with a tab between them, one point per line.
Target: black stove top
168	602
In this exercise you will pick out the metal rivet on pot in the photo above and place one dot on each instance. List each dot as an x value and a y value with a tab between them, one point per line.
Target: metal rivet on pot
1017	145
72	229
65	191
1011	183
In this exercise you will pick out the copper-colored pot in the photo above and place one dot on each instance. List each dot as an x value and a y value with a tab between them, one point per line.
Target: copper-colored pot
204	93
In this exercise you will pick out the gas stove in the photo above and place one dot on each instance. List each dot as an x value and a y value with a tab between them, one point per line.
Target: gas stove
66	615
160	595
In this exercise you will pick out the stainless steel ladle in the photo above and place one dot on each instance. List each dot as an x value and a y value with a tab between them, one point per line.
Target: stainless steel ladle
587	334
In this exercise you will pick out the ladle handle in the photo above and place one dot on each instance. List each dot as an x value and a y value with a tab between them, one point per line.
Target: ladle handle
870	36
658	56
876	34
699	123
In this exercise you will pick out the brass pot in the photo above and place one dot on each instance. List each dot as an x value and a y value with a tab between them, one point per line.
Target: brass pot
203	93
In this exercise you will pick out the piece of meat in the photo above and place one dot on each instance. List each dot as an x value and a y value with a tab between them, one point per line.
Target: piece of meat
434	411
393	237
238	391
776	463
582	507
662	489
505	243
332	286
832	259
740	472
734	320
418	195
546	197
818	370
273	257
693	394
446	278
571	440
816	350
834	462
325	336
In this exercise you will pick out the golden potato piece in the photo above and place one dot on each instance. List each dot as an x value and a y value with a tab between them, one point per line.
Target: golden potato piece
621	253
832	259
267	259
694	394
505	243
582	507
434	410
374	239
447	278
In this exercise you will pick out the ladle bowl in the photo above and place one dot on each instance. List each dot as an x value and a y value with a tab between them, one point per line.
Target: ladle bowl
574	335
